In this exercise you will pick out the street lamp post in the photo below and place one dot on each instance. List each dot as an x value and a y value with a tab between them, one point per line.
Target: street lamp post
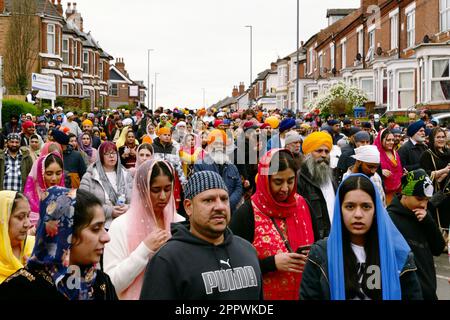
156	77
298	64
148	79
251	63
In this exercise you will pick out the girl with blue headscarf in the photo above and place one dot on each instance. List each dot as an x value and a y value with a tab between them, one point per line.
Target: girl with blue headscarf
365	256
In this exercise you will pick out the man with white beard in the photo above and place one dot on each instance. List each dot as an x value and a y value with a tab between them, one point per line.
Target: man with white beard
411	151
316	181
218	161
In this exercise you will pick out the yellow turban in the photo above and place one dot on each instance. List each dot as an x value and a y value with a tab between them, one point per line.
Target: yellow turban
87	122
315	140
273	122
164	130
217	134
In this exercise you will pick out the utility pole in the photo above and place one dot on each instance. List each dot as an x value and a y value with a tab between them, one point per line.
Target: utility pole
148	78
153	109
251	64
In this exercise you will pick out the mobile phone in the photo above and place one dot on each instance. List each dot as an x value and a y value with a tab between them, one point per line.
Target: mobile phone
303	249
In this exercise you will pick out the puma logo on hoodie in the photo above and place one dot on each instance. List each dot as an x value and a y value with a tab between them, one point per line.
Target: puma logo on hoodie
230	279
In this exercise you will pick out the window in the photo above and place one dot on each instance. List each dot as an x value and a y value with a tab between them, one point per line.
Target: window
394	31
410	28
344	54
385	87
51	39
65	51
65	89
367	87
320	62
261	88
361	42
114	90
332	53
101	71
440	80
75	53
311	57
86	61
370	52
444	9
292	100
405	89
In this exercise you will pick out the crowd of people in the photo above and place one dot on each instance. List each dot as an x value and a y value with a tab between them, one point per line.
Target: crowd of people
216	204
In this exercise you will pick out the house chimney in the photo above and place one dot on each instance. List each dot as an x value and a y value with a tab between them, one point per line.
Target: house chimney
59	8
120	65
365	4
241	88
69	9
74	7
235	92
273	66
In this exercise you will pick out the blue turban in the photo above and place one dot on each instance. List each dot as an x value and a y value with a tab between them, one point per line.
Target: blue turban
414	127
287	124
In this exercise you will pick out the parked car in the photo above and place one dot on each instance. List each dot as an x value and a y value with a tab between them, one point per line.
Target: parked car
443	119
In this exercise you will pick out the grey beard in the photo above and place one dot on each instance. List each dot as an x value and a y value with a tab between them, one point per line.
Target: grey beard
219	157
320	173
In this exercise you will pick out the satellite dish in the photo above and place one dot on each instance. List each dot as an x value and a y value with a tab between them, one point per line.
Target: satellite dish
426	39
379	51
359	57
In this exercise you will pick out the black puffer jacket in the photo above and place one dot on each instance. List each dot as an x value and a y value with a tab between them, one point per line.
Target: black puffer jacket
315	284
425	241
158	147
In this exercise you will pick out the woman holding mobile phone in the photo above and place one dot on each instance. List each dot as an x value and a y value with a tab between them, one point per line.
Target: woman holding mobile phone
277	221
365	256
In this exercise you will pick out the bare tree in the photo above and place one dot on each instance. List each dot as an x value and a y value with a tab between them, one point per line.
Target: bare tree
20	48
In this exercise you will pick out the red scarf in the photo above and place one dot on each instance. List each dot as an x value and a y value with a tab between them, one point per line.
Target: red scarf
393	183
292	217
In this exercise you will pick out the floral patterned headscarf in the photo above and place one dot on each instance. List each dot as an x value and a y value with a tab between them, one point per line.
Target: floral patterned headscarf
53	241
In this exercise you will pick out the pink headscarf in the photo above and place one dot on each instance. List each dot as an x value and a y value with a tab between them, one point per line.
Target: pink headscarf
394	182
142	219
35	185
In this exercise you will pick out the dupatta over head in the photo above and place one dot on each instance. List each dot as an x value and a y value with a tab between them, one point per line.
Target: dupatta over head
8	261
141	219
53	242
35	185
298	220
393	250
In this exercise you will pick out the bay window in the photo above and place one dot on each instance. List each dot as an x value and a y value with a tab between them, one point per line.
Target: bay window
51	39
440	80
65	51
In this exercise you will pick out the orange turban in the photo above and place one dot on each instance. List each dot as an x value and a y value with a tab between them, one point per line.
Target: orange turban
315	140
217	134
164	130
87	122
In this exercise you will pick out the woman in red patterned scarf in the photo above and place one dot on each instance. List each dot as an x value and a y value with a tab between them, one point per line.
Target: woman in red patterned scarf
277	221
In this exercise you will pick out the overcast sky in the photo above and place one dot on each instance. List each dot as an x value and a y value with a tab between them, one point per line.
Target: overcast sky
201	43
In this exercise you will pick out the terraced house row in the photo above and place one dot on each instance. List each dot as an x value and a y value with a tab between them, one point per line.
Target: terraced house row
397	51
81	67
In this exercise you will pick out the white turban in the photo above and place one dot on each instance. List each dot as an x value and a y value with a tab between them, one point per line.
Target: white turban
127	122
368	153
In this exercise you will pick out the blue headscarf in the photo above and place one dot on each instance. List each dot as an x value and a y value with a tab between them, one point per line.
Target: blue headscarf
53	242
393	250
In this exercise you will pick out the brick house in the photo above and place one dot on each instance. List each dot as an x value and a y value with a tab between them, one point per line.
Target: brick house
123	90
396	51
80	66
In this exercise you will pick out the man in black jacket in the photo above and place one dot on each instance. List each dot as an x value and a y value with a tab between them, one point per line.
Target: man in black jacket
411	151
410	215
204	260
316	180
